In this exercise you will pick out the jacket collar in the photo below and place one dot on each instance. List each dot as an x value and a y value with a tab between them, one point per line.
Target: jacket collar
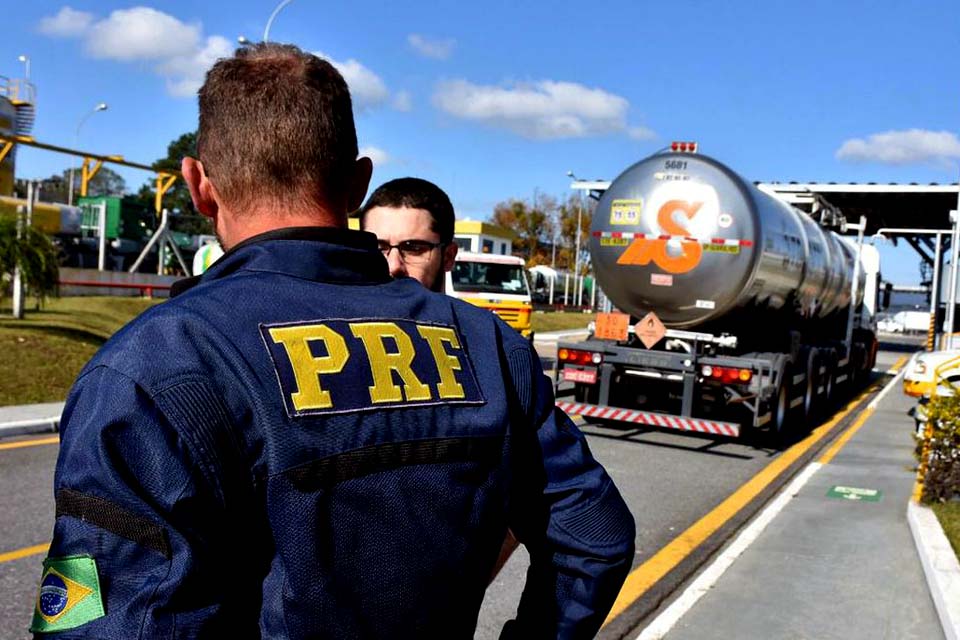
323	254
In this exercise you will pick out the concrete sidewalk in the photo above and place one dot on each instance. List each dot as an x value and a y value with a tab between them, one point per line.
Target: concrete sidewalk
30	419
838	561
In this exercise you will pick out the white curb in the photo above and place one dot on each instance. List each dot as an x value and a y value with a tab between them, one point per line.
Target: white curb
940	566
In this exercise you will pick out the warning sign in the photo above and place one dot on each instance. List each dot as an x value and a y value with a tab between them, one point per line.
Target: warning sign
612	326
626	211
722	248
650	330
614	242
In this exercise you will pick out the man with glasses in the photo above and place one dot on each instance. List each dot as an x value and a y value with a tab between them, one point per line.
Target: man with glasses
413	221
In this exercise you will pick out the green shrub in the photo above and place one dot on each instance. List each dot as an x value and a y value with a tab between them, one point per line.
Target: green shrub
939	450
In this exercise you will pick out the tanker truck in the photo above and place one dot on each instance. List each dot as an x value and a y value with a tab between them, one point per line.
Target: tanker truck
735	312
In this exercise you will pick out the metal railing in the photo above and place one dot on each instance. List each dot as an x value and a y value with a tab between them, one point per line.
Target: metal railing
18	90
146	289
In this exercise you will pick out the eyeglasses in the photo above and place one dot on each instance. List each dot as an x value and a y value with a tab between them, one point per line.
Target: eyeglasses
411	251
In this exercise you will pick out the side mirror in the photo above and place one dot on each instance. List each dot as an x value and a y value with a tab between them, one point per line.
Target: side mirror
887	292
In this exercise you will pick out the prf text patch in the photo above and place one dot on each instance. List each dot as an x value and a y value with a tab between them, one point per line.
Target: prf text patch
338	366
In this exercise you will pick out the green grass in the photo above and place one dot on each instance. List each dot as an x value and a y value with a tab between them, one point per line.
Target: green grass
561	320
39	365
949	515
44	352
97	316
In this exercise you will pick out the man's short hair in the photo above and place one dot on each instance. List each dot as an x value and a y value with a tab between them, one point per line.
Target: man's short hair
415	193
276	124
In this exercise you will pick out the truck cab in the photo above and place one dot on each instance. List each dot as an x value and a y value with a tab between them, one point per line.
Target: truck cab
494	282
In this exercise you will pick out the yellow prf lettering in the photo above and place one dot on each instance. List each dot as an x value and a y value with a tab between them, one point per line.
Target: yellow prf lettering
448	387
307	368
383	364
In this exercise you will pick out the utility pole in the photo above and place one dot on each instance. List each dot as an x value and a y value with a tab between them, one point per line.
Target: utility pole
19	290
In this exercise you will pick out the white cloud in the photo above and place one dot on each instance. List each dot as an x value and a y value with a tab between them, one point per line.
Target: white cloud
403	101
902	147
436	49
68	23
641	133
179	52
185	74
541	110
366	88
377	155
141	33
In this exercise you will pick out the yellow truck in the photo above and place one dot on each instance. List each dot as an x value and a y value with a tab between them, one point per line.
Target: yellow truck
494	282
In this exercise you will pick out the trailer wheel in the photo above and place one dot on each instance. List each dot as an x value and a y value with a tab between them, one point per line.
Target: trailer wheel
780	425
829	384
811	404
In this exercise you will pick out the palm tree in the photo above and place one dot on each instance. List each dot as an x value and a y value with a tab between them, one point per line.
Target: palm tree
35	254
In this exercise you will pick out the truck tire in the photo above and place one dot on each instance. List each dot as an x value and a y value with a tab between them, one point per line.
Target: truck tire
829	359
812	401
780	423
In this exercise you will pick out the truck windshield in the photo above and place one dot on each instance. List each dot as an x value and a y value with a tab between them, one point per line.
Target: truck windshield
488	277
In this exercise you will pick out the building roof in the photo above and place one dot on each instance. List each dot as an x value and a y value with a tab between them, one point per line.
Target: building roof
476	227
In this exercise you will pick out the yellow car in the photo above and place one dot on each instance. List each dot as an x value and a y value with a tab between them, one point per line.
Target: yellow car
918	375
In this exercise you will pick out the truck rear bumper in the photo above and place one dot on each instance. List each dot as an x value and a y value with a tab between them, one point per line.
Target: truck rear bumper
650	418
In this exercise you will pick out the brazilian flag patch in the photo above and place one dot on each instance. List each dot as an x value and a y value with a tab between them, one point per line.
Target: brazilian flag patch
69	594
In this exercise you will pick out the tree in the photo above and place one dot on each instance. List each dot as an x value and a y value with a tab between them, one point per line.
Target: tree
177	199
106	182
34	252
532	224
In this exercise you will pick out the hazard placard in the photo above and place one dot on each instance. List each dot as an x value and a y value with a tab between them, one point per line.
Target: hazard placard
612	326
650	330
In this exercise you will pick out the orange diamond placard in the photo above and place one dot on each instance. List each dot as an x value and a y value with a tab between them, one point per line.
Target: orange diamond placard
650	330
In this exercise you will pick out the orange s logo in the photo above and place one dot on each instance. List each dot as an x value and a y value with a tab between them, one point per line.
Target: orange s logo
643	250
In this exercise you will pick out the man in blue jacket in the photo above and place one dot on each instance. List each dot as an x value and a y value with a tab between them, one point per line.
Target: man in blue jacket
298	446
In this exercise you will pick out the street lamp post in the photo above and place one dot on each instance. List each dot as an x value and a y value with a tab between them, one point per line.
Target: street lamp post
76	140
576	268
25	59
243	41
276	10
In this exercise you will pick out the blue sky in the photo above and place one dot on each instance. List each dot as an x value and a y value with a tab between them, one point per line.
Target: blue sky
497	99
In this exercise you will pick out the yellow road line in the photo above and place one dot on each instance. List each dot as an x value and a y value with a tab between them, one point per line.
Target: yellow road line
842	440
650	572
30	443
859	422
36	549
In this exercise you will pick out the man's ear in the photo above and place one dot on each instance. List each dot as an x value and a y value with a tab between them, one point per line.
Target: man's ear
359	182
450	256
201	189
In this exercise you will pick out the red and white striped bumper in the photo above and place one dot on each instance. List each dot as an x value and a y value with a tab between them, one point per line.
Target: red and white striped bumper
661	420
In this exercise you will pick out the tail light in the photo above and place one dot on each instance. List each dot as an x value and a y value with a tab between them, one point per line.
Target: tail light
578	356
726	374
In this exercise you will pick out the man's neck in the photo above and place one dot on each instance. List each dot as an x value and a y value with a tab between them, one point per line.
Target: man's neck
234	229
